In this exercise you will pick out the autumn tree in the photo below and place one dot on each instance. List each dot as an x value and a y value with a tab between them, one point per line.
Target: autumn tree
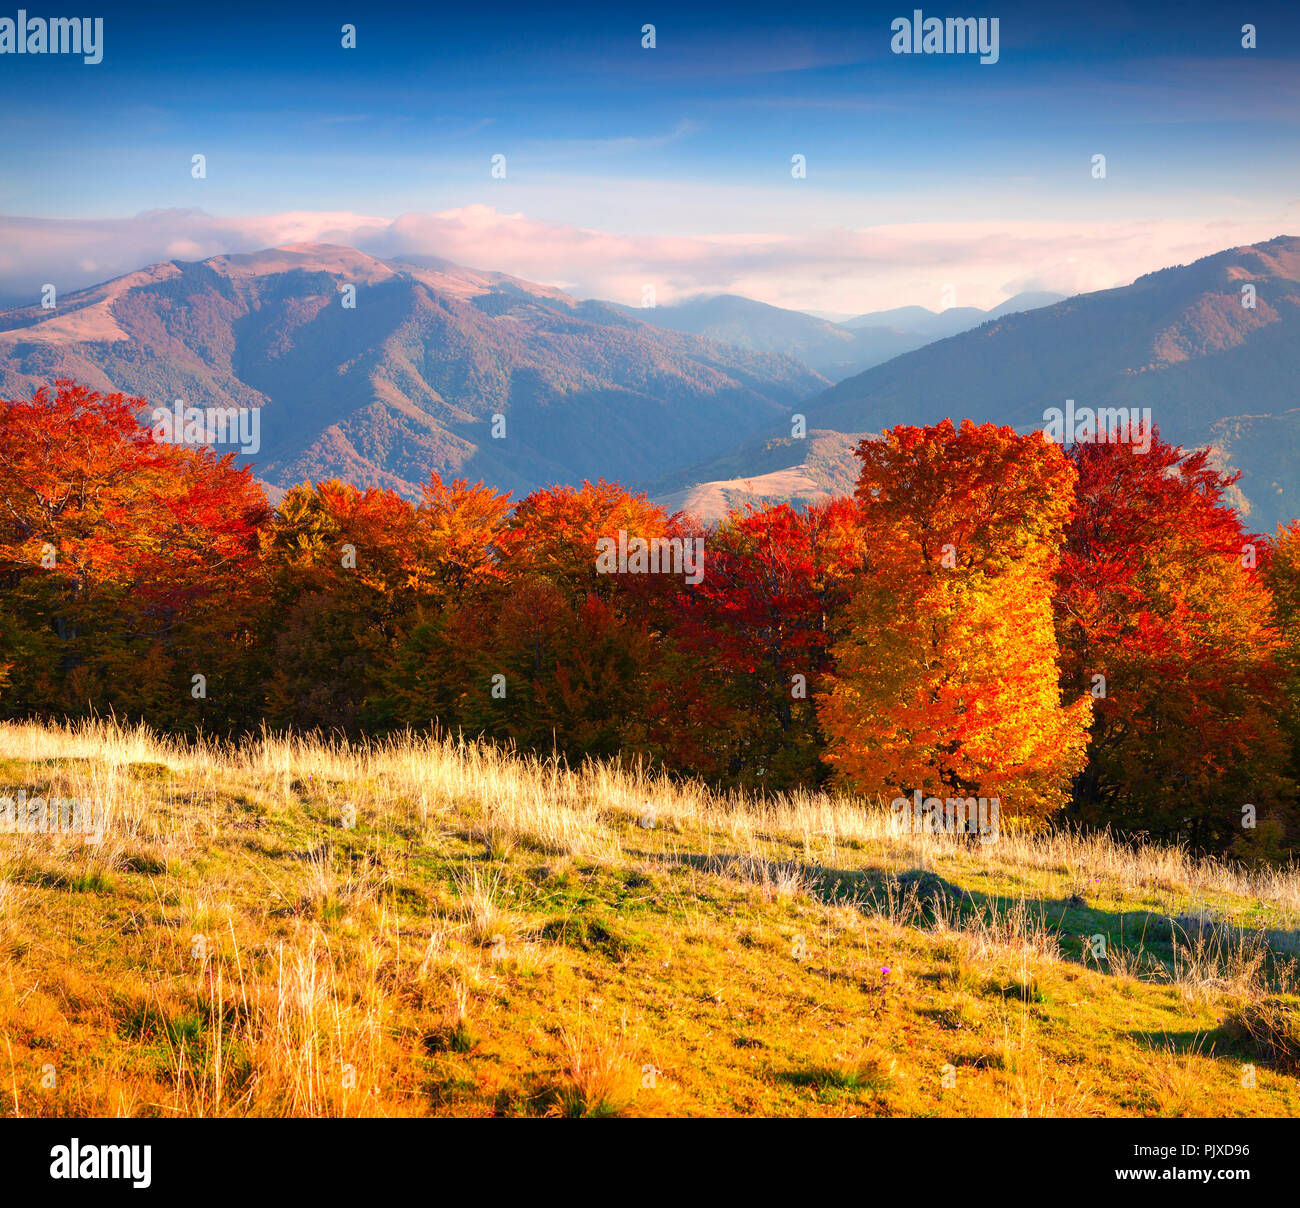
462	529
946	680
348	569
1165	617
555	533
752	643
128	565
435	672
561	654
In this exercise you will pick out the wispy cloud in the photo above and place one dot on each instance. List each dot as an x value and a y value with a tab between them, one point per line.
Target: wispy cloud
831	268
543	150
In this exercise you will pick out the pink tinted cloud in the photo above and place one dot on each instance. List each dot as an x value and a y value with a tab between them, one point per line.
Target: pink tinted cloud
832	269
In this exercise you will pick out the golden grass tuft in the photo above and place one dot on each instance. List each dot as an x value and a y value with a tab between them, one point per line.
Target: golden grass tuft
599	1079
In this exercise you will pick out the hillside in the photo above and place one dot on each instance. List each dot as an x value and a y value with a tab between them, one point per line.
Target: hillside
689	402
831	349
437	929
938	324
779	469
834	350
1178	341
408	380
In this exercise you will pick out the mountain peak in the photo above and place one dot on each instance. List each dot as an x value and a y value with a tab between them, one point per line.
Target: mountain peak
296	257
412	377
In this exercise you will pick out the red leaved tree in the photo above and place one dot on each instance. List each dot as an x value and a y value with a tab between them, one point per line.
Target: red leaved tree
128	565
752	644
1164	616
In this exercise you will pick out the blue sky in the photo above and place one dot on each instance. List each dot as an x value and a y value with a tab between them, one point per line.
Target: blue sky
671	164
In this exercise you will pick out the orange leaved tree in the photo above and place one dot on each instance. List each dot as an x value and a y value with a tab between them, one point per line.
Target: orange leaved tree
461	528
945	680
347	571
559	650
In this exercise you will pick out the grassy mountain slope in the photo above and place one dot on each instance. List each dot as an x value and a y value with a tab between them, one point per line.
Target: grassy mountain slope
778	469
497	937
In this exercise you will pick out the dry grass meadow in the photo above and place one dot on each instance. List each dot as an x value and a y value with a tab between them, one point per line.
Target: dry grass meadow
424	927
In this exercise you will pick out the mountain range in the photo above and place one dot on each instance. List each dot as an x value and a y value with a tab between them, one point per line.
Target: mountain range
1183	342
691	401
411	376
835	350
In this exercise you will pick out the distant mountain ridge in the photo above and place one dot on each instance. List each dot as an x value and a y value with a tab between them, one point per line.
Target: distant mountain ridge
410	378
1214	372
434	355
835	350
937	324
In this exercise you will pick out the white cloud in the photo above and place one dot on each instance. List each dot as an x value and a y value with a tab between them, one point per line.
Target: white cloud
830	268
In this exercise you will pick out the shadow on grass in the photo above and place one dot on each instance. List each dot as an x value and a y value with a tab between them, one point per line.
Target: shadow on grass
866	1077
1146	939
